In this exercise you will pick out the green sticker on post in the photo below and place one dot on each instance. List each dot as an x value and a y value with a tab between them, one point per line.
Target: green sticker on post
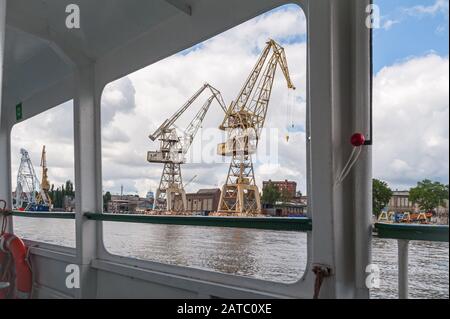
19	113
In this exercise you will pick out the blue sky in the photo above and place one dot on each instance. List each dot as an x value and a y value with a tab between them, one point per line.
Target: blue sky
417	27
410	64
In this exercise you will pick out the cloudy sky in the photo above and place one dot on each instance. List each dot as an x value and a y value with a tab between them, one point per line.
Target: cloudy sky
411	75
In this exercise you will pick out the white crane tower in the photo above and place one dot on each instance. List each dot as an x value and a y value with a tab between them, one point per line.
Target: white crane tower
28	185
173	149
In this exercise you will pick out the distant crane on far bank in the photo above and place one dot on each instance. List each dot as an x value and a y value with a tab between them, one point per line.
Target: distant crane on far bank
43	198
31	194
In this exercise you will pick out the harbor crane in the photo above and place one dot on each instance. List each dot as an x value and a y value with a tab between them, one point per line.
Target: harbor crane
27	183
30	194
243	122
43	198
173	148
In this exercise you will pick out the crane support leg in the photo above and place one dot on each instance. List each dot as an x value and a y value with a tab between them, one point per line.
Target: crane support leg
240	194
170	186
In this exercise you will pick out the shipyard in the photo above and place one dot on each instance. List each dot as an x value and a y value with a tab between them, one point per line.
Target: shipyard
278	199
221	150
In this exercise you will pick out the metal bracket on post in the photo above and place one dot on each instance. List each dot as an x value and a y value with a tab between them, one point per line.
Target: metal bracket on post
321	272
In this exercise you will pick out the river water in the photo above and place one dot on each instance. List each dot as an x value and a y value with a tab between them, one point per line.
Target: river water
271	255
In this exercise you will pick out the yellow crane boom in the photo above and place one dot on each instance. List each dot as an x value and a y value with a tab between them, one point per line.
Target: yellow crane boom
43	196
173	148
244	121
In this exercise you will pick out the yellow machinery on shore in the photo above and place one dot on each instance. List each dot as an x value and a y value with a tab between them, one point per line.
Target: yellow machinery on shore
404	218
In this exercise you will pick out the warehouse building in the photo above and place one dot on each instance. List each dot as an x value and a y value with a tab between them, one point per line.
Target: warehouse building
204	201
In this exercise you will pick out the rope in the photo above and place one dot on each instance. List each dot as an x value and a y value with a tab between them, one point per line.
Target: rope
321	272
5	273
4	213
348	166
30	264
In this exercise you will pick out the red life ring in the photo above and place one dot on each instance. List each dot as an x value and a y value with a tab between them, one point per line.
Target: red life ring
13	245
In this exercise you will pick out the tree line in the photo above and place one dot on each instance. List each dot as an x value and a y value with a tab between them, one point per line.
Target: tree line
428	195
57	195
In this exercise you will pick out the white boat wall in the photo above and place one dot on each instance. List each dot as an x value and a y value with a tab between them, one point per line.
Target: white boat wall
43	64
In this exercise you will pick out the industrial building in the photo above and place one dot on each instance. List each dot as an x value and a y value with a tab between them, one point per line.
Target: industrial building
128	204
287	187
285	210
203	201
400	202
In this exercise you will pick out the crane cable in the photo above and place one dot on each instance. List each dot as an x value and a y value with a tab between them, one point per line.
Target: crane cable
289	112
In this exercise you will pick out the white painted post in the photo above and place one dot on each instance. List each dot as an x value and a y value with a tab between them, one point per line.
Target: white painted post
338	97
5	143
2	43
320	149
5	166
2	47
87	174
363	168
403	246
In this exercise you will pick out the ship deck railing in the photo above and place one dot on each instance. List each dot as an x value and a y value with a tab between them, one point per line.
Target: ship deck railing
403	233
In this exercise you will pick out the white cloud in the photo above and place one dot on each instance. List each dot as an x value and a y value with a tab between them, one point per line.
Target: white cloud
400	14
440	29
53	128
440	6
387	25
117	98
411	121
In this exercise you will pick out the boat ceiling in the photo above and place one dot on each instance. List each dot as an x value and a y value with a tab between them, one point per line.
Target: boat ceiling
40	51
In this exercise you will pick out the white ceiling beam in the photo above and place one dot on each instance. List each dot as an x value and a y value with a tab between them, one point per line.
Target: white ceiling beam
38	26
